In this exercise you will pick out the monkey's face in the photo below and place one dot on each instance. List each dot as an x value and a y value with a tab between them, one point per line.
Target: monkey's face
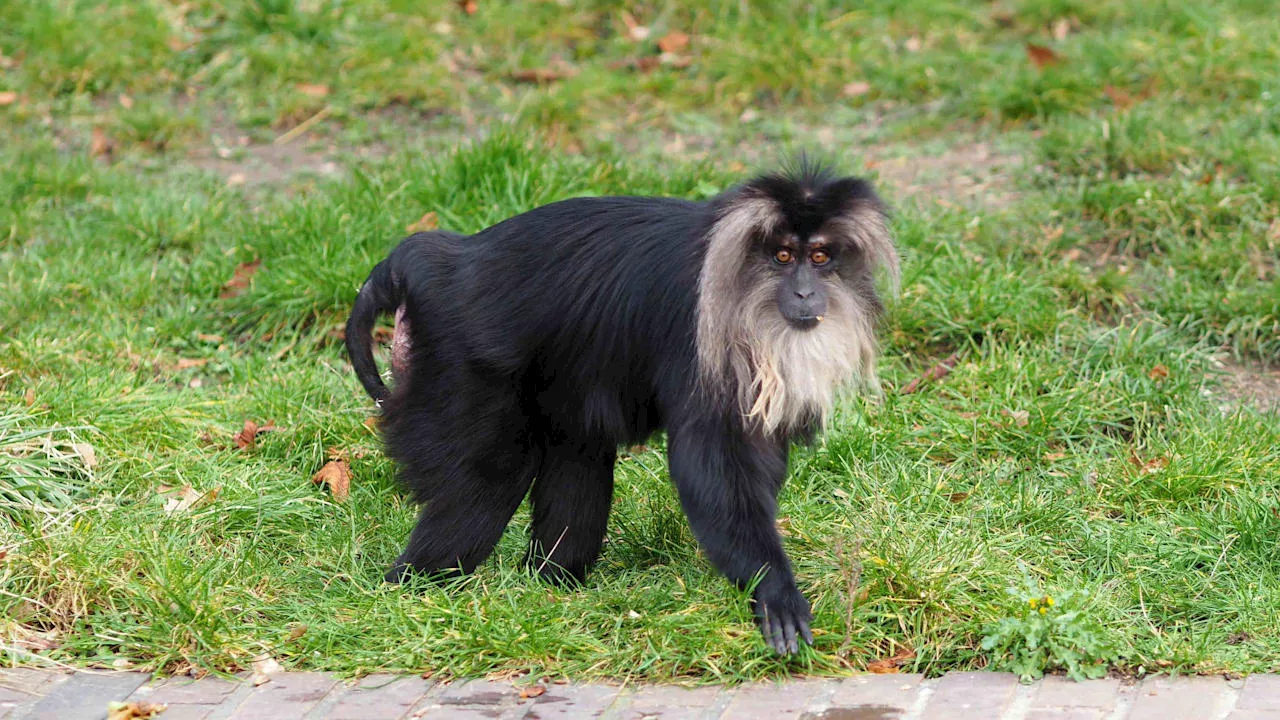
803	271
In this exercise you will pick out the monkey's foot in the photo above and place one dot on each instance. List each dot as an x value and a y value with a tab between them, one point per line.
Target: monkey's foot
783	615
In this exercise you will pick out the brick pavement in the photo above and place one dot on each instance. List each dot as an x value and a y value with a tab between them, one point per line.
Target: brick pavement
28	694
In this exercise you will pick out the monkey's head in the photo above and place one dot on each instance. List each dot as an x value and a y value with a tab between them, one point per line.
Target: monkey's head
787	297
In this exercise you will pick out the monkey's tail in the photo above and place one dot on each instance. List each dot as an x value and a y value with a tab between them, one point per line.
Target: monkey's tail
378	295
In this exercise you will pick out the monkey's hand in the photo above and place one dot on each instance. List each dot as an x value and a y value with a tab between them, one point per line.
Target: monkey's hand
783	615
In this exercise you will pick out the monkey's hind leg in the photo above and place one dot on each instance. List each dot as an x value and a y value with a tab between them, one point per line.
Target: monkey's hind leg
467	507
571	499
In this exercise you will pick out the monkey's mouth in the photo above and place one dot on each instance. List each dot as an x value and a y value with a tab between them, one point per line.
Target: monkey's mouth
805	322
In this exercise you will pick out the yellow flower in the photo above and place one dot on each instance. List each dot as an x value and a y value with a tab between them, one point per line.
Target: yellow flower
1048	600
1032	602
1044	610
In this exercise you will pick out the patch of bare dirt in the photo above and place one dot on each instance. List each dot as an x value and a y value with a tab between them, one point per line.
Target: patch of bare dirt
966	172
1253	385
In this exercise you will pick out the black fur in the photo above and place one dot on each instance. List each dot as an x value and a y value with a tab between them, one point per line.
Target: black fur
541	344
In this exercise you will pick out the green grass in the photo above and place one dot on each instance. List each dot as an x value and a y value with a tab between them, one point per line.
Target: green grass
1132	238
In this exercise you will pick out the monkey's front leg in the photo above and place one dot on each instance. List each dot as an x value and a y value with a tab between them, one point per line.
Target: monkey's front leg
728	485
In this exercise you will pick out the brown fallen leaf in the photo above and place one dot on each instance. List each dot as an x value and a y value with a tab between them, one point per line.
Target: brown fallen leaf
1155	465
1121	99
296	632
188	363
1061	29
29	397
538	75
99	144
209	338
428	222
891	664
531	691
469	7
958	497
313	90
1042	56
8	97
239	281
857	88
1159	372
937	372
336	474
118	710
1053	456
248	434
673	42
371	422
126	102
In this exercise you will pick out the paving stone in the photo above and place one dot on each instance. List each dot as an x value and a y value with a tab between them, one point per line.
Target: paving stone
1260	692
287	696
971	696
895	693
1064	713
572	701
85	695
666	703
768	701
1163	698
385	697
31	681
186	712
478	692
1059	692
186	691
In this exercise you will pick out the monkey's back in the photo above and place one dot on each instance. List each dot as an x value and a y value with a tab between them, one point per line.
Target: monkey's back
586	306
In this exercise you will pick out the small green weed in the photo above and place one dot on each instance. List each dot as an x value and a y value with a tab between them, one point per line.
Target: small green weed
1041	632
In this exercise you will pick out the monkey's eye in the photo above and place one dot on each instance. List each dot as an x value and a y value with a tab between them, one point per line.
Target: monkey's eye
783	256
819	257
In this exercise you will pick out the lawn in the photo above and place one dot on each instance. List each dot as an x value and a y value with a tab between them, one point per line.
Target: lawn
1087	199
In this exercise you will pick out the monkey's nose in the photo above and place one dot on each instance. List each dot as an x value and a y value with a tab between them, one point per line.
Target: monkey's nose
803	294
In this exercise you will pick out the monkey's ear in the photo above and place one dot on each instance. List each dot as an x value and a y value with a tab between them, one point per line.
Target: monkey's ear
864	221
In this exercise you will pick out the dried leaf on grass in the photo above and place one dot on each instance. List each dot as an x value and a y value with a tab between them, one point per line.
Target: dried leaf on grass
313	90
1159	372
186	498
937	372
240	279
99	144
8	97
426	223
890	665
1019	417
336	475
248	435
134	710
469	7
857	88
673	42
1042	56
540	75
188	363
